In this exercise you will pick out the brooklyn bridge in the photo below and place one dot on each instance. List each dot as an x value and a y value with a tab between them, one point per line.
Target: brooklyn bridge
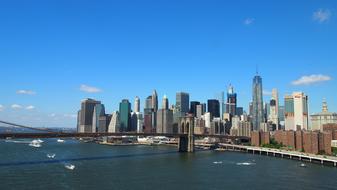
186	136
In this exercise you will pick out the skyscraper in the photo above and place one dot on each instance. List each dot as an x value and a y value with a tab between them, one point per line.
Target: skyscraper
154	101
124	115
114	123
165	103
99	111
213	107
257	107
296	111
182	102
193	109
199	111
274	110
148	103
231	103
87	112
137	105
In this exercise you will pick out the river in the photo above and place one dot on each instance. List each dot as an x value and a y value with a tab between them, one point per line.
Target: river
150	167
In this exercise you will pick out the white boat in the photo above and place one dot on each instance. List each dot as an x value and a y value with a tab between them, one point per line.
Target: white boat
303	165
220	162
69	166
245	164
35	144
51	155
60	140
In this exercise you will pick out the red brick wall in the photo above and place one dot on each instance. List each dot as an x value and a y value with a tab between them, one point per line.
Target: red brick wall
325	142
291	139
307	142
255	138
314	141
265	137
278	136
299	140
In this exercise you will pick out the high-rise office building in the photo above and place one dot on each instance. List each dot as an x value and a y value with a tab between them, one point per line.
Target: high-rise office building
164	121
99	111
199	111
137	105
87	112
257	106
231	103
221	98
124	115
182	102
148	103
79	130
296	111
155	101
213	106
133	121
239	111
274	110
193	108
140	122
149	115
114	123
165	103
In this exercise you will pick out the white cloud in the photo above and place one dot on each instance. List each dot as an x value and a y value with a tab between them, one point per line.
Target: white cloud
2	107
267	93
70	115
248	21
52	115
89	89
311	79
321	15
30	107
16	106
27	92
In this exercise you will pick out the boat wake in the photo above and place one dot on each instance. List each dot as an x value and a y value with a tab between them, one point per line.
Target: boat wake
51	155
36	143
245	163
69	166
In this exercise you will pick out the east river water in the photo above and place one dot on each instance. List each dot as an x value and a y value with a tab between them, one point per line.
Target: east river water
150	167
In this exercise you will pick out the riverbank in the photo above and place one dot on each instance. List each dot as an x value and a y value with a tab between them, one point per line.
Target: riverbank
299	156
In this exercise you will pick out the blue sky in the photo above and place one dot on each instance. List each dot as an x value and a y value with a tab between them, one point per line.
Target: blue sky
120	49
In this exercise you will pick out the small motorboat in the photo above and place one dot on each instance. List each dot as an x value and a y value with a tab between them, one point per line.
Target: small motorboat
220	162
303	165
60	140
51	155
69	166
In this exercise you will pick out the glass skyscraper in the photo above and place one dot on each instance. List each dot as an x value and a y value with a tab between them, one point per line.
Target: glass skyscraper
124	111
257	107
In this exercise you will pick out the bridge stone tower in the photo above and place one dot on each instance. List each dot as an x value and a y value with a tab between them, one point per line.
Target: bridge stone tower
186	128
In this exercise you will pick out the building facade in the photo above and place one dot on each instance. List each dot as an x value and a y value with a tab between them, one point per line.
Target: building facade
296	111
257	104
325	117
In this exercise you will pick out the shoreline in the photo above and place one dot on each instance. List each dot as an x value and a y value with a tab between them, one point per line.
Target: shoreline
291	155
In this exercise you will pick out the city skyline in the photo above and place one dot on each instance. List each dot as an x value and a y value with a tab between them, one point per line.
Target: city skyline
48	71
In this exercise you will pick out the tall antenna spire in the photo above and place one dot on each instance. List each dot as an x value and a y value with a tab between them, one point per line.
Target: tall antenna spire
257	69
